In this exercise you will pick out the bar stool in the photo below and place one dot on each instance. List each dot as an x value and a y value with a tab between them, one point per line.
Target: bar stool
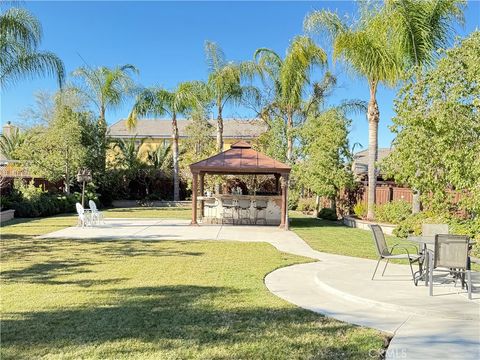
244	210
211	207
260	206
228	210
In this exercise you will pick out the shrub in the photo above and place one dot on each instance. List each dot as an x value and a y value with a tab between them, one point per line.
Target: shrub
360	210
44	205
30	201
412	224
393	212
28	191
306	205
328	214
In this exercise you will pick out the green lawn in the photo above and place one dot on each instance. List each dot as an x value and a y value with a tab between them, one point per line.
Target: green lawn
156	300
335	238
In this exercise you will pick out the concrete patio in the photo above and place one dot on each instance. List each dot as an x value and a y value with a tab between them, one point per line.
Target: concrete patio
445	326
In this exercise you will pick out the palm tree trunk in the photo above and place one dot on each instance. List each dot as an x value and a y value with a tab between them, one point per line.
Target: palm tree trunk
176	175
102	133
373	119
289	135
67	174
416	204
219	130
219	139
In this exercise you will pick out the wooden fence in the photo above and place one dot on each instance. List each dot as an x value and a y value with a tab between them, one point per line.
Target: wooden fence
384	194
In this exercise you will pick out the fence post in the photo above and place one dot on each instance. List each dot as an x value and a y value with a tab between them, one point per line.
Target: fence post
390	194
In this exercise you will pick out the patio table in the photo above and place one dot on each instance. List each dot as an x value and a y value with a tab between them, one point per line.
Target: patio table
427	243
88	216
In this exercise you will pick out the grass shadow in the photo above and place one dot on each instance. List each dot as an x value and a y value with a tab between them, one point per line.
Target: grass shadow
179	318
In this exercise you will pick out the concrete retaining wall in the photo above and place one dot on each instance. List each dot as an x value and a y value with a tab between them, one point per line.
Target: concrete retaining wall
6	215
363	224
149	203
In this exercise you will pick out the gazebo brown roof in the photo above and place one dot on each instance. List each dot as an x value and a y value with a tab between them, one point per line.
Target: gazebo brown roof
240	159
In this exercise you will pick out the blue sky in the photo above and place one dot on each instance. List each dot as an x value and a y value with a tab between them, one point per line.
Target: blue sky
165	41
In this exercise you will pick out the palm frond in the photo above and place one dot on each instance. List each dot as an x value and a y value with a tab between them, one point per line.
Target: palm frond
354	106
303	54
106	87
214	55
157	157
10	143
368	55
153	101
20	26
32	64
20	35
324	21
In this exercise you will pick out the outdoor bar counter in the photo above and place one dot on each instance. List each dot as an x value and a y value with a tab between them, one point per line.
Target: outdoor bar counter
215	213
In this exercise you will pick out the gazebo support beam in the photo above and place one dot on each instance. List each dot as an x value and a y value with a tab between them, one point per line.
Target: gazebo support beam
284	210
194	199
202	188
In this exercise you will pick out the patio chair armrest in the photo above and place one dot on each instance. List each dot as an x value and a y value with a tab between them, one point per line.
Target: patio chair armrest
412	246
397	246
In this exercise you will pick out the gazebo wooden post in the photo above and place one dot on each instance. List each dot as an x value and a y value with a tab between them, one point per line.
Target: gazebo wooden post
202	186
277	183
194	199
283	216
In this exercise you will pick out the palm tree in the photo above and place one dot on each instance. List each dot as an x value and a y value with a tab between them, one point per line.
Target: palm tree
158	157
383	44
365	46
20	35
421	28
224	83
106	88
157	102
290	77
129	150
11	142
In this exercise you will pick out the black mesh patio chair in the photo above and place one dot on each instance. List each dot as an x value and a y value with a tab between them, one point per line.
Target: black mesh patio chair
384	253
451	255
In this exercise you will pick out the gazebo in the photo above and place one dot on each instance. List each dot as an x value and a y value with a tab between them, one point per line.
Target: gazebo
240	159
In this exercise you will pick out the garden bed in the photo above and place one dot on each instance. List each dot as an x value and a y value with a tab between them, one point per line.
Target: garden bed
354	222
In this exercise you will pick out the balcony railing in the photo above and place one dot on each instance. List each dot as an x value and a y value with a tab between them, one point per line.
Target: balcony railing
14	169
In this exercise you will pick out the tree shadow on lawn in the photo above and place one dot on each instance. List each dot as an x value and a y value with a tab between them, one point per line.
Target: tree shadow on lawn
183	318
27	247
46	272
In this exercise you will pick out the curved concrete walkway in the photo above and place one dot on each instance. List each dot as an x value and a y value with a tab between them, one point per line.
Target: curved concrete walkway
445	326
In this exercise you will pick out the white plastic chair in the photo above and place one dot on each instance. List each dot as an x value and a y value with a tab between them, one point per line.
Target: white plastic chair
82	218
97	216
